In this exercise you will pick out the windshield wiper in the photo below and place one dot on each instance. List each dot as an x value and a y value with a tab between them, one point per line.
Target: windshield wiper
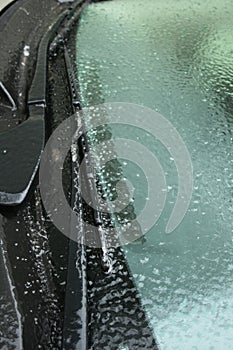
21	147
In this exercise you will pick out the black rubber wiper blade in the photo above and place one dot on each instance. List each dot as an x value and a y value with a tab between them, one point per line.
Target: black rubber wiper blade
76	313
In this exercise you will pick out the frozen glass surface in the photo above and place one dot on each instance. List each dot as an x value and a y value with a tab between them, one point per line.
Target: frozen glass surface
175	57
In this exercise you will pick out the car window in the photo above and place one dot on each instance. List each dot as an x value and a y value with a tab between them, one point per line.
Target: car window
174	57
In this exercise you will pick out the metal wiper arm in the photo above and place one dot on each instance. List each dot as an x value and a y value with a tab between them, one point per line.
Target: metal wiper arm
21	147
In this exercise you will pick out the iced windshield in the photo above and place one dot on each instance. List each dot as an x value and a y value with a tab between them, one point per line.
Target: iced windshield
174	57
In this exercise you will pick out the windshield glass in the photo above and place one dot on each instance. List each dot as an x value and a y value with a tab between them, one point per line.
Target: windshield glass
174	57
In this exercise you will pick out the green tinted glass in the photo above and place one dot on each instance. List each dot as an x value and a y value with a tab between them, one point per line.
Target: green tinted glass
174	57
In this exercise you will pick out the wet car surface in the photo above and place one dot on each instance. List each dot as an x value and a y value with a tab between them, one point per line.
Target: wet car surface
175	289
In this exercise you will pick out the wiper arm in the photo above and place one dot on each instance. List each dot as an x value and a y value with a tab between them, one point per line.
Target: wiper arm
21	147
